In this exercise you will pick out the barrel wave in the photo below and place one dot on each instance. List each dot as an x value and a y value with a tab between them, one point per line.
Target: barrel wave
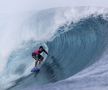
73	47
79	47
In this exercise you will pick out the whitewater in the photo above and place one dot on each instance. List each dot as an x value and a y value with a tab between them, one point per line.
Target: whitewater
76	38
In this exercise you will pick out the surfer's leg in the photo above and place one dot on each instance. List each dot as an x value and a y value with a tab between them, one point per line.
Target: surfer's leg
35	57
41	59
36	62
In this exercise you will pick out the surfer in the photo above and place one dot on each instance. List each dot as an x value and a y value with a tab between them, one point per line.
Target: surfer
37	55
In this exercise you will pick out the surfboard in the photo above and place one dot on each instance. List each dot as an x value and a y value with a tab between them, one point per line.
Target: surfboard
35	69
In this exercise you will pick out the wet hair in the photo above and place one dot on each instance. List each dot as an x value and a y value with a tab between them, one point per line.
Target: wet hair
41	47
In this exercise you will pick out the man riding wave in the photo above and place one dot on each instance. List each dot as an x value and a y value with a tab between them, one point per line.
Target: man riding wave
37	55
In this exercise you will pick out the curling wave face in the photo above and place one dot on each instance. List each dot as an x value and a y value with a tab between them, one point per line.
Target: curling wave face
79	47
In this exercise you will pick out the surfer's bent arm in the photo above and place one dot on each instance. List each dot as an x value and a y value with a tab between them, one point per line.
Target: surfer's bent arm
45	51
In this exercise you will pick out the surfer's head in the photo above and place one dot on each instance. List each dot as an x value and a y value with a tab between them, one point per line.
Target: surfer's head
41	47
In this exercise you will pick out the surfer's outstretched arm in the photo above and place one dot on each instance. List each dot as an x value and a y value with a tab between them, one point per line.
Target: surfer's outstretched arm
45	51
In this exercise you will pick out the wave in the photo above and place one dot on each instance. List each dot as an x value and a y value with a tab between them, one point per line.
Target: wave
74	44
80	46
